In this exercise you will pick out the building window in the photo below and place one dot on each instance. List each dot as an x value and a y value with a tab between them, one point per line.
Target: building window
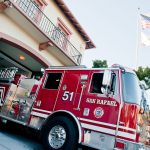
53	81
63	28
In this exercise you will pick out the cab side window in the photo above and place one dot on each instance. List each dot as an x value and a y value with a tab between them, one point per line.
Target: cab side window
96	83
53	81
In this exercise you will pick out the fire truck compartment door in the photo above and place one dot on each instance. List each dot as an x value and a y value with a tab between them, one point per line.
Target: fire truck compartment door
18	101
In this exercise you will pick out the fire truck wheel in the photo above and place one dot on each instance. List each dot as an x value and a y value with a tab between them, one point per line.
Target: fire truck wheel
60	134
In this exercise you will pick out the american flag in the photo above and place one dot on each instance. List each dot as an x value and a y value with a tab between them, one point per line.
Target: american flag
145	40
145	21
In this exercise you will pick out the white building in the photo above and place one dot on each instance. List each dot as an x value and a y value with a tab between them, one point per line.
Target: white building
35	34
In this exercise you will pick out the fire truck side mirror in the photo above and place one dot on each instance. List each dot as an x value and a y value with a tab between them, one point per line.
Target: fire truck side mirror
107	77
106	84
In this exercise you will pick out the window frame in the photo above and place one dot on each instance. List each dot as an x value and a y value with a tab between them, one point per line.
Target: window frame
89	90
116	94
64	33
63	28
46	78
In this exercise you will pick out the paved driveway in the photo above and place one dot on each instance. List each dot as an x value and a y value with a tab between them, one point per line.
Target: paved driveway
12	141
20	139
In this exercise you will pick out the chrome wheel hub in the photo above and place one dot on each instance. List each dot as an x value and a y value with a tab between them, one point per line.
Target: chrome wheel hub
57	137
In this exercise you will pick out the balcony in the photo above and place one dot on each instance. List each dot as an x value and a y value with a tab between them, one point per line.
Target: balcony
28	10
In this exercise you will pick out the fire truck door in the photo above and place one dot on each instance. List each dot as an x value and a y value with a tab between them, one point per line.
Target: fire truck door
98	109
68	94
48	92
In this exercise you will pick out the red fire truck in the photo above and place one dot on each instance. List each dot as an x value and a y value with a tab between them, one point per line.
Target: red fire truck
98	108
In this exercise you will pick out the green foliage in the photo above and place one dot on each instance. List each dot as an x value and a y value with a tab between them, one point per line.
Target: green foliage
144	74
99	64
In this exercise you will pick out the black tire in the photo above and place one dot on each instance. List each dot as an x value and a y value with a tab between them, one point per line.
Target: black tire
71	138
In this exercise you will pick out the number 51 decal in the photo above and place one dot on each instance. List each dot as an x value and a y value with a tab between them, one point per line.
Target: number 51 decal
67	96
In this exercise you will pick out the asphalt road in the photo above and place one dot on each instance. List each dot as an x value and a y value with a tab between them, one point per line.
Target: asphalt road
18	139
14	137
9	141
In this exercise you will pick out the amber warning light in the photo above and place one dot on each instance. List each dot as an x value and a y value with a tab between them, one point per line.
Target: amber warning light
21	57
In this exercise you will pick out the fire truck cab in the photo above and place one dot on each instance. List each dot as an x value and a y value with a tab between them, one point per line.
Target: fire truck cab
97	108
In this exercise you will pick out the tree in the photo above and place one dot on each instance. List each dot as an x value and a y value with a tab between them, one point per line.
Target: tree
144	74
99	64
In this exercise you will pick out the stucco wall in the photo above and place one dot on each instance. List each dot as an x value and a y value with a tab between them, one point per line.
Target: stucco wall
52	11
10	28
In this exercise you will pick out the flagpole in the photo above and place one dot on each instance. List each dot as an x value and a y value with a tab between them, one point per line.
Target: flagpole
138	40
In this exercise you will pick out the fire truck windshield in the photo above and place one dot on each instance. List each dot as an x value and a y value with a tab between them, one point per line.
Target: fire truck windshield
131	88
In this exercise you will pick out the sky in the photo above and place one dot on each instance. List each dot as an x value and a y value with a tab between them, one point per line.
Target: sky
113	27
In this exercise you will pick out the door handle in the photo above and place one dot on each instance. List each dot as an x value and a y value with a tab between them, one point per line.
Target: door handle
121	123
79	103
38	103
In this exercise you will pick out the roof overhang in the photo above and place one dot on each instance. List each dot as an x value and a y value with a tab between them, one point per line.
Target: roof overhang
61	4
